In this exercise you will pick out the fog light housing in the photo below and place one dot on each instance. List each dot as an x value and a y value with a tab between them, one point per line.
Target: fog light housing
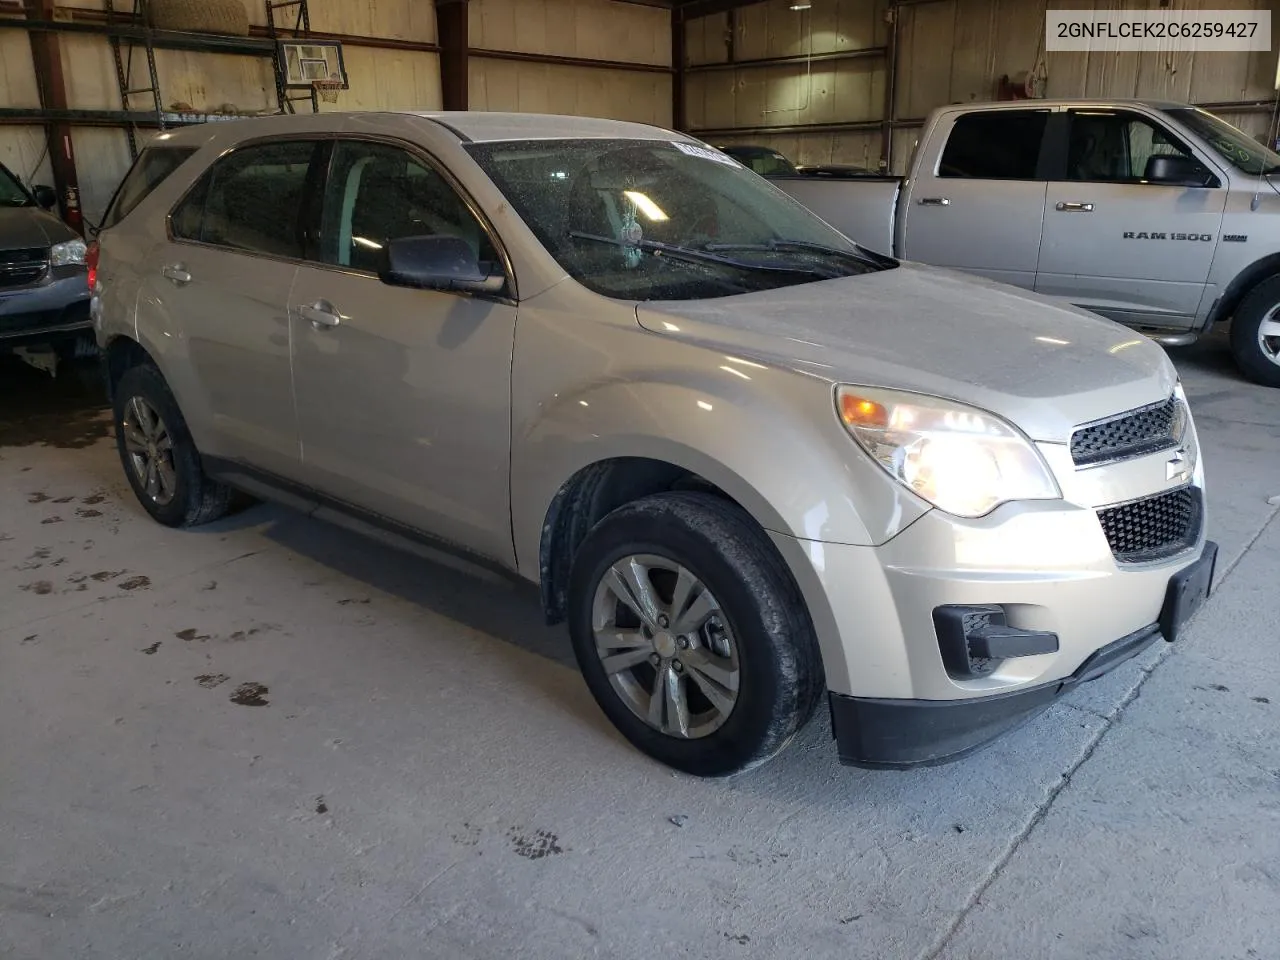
974	640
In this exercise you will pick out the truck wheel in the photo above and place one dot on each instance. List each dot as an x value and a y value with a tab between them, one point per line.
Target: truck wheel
159	457
1255	334
692	635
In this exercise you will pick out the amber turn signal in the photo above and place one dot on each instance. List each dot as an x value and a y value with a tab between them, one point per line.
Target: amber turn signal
858	411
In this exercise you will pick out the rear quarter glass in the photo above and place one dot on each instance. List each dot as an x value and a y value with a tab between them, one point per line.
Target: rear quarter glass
152	167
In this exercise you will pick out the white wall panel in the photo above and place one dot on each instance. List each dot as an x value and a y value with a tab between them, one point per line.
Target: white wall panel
577	91
591	29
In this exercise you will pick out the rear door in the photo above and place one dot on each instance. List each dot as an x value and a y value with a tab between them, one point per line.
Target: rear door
216	300
979	204
1117	244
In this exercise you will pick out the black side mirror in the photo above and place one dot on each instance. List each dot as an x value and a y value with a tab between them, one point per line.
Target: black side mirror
46	196
1177	171
438	263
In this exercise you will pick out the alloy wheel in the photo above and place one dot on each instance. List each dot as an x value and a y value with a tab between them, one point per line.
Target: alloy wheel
666	646
149	447
1269	335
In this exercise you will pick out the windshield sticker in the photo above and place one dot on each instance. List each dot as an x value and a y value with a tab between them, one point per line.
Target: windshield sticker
706	153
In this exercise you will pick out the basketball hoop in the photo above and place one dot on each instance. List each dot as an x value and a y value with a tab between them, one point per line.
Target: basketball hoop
327	90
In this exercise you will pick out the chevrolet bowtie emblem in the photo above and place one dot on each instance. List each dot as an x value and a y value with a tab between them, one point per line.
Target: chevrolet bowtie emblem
1178	467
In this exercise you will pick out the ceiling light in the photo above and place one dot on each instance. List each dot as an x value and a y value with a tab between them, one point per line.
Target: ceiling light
801	4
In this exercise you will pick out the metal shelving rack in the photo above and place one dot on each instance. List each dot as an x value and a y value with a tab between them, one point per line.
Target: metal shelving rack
130	34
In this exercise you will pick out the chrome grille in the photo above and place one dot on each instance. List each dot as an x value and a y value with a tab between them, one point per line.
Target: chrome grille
1155	527
1133	434
23	266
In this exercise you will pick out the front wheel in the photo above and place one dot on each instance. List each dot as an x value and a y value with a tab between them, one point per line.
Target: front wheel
1255	334
692	635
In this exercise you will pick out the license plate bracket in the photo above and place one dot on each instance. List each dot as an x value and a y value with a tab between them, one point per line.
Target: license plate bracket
1187	592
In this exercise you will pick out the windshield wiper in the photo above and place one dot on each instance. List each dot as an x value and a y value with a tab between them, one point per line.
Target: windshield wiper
690	255
783	246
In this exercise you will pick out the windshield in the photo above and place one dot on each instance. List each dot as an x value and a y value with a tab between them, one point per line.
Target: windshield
1233	145
655	220
11	192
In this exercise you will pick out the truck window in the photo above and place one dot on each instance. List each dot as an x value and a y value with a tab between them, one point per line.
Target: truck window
150	170
995	145
1111	147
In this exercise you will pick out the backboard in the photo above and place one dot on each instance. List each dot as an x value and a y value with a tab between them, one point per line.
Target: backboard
306	61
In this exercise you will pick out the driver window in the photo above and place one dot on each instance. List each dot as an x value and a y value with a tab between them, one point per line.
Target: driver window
377	193
1116	147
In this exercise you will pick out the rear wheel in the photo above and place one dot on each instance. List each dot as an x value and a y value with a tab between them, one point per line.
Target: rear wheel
692	635
160	459
1255	334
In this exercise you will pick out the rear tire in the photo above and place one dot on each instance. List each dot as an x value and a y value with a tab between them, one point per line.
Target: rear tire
159	457
1255	334
736	688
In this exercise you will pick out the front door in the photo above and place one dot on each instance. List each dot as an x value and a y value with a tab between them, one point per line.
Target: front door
404	395
220	295
981	209
1115	243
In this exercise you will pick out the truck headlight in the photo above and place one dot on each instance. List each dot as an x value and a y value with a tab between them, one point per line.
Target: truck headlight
961	459
68	253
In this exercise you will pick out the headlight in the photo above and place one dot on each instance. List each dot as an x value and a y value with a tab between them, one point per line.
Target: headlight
68	253
961	459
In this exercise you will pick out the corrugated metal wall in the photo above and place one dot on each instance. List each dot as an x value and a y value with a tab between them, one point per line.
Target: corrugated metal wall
380	78
949	51
582	29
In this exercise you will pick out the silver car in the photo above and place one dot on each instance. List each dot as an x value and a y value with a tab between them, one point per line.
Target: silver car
749	462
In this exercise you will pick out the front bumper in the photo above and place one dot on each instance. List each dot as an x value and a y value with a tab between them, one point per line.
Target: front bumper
54	308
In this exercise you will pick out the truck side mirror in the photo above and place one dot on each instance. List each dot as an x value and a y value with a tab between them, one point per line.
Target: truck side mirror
438	263
1178	171
46	196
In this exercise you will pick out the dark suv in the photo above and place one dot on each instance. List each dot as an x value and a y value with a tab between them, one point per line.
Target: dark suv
44	285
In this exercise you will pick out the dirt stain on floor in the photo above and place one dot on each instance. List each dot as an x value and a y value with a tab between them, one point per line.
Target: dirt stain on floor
251	695
51	520
535	846
190	633
211	680
134	583
40	587
94	499
84	514
37	497
102	576
151	649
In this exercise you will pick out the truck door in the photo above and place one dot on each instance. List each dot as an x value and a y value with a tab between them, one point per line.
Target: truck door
1117	242
978	203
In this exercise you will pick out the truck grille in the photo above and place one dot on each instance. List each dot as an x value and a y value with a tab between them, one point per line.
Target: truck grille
21	267
1133	434
1155	527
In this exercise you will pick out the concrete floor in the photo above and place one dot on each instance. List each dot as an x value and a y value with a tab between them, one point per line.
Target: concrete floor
270	738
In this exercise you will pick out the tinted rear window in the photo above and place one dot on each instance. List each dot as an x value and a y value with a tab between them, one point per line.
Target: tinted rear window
150	170
1000	145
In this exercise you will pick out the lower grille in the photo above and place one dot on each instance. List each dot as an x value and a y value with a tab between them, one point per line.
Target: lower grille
21	267
1155	527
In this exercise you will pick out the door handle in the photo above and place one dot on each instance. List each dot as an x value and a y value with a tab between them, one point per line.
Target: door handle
1065	207
320	315
177	273
935	201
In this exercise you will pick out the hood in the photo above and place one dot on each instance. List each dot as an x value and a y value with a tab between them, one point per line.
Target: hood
1043	366
31	227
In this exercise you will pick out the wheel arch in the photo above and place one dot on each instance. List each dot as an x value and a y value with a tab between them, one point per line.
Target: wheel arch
1241	285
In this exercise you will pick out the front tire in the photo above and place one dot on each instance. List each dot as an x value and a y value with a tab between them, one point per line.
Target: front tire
692	635
1255	334
159	457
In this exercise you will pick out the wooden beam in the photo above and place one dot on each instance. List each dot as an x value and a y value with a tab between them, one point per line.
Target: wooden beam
46	56
679	60
692	9
451	27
